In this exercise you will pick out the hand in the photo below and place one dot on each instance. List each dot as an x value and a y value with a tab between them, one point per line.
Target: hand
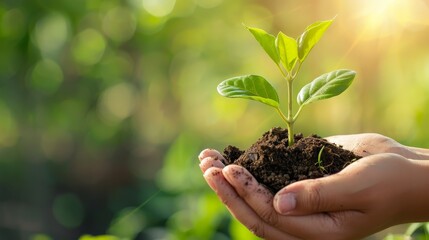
369	195
366	144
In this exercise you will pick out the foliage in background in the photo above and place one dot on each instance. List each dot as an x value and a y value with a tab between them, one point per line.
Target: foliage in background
104	103
416	231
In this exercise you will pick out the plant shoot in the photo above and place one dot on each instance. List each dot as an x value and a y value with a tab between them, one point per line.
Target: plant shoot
288	54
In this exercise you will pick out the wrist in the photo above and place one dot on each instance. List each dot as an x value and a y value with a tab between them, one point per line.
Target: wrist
415	200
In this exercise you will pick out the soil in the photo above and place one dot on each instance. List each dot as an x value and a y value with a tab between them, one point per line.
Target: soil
275	164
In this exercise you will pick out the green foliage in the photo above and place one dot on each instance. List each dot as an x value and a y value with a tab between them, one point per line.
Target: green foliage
310	37
415	231
267	42
326	86
238	231
40	237
397	237
92	107
180	174
418	231
286	52
250	87
68	210
128	224
100	237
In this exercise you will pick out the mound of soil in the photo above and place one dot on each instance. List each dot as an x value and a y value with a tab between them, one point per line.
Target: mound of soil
275	164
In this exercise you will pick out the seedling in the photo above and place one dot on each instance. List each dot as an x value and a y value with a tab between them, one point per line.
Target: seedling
319	160
288	54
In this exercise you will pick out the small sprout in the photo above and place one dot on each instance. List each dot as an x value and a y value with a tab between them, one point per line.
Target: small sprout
288	54
319	160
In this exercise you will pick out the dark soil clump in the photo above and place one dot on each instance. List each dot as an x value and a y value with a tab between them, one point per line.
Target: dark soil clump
273	163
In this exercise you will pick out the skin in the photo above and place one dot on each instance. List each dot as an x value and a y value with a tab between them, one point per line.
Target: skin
386	187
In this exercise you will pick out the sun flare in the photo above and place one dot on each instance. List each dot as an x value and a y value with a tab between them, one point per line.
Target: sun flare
390	17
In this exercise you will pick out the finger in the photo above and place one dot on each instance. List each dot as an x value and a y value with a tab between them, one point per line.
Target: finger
333	193
210	153
347	190
259	199
255	194
329	225
209	162
240	209
315	196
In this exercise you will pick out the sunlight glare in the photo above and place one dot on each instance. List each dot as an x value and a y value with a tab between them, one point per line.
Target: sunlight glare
386	17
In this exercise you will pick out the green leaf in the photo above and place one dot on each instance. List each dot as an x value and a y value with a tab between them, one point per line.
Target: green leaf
326	86
418	230
310	37
267	42
397	237
413	228
288	50
99	237
249	87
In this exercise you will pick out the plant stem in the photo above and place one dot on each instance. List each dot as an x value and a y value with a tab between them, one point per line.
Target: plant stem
282	115
289	125
290	119
290	133
319	160
297	113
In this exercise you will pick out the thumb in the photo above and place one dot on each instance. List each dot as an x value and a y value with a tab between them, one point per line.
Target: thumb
337	192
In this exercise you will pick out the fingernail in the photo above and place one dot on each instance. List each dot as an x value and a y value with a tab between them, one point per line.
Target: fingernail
202	154
208	152
284	203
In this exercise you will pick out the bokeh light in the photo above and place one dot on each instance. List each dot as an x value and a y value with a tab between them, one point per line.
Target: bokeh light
159	8
117	102
88	47
13	24
68	210
46	76
8	127
51	33
119	24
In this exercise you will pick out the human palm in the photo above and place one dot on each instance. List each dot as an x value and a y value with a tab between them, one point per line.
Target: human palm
371	194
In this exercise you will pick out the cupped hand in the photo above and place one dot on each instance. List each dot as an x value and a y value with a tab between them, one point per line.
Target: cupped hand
371	194
366	144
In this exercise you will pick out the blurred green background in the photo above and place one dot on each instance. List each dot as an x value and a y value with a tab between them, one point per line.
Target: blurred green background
105	104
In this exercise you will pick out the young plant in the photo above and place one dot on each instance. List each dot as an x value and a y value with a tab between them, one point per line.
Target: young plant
288	54
319	162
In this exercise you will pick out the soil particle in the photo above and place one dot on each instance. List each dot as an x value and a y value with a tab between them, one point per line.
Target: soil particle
275	164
